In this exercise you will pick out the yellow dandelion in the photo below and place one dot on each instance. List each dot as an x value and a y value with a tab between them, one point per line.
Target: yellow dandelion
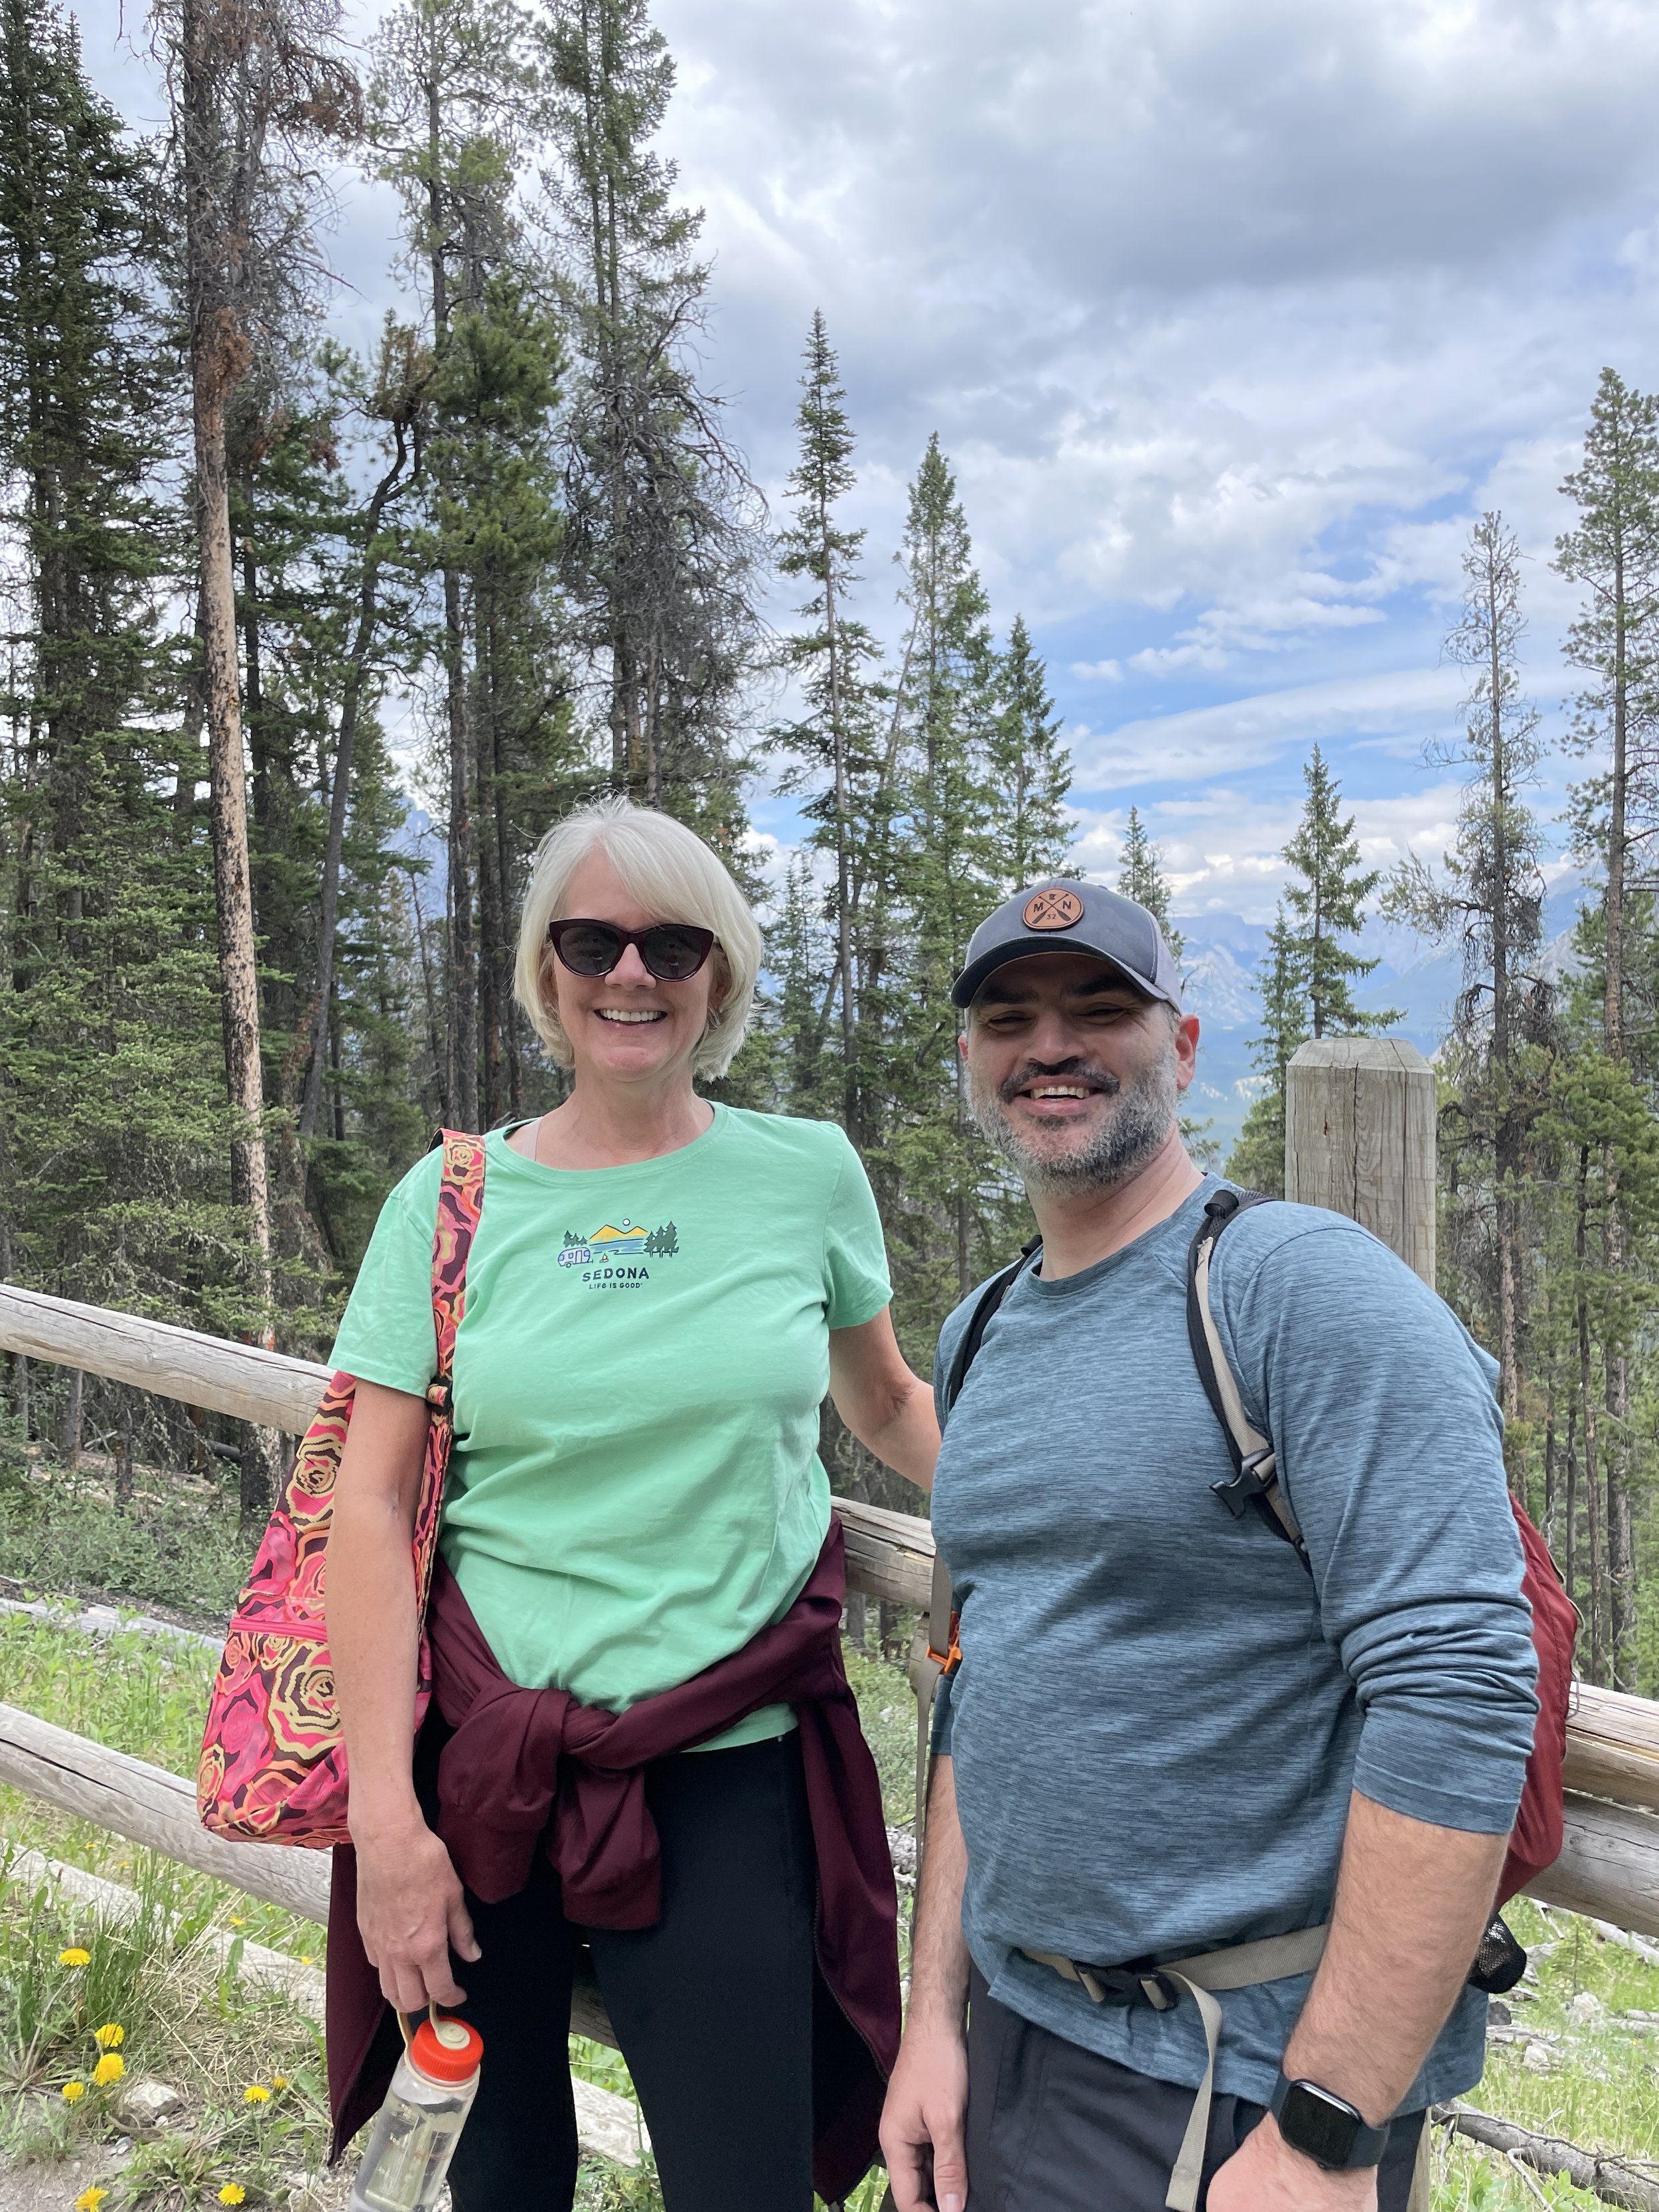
74	1957
110	2068
72	2092
279	2080
235	1922
110	2036
233	2193
256	2094
90	2199
305	1959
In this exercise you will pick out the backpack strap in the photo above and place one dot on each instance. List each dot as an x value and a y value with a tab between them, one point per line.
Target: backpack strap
942	1648
935	1651
980	1320
1256	1472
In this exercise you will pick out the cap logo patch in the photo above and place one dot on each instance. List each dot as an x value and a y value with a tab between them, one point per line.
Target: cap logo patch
1053	910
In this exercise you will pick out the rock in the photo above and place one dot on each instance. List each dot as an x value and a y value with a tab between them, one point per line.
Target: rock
1586	2009
146	2104
1537	2058
1498	2014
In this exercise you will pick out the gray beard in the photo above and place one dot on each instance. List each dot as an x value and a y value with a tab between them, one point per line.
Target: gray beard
1119	1144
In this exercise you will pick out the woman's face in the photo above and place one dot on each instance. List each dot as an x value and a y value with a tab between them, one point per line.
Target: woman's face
629	1026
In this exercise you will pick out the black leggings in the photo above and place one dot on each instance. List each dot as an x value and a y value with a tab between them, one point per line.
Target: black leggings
713	2006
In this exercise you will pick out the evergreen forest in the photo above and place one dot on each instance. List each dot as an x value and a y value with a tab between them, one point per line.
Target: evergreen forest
306	648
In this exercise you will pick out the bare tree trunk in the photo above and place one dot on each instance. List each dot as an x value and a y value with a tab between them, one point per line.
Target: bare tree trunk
189	741
233	891
463	947
1587	1403
350	705
492	922
435	1035
1569	1545
70	1434
124	1452
1504	1146
218	358
1621	1578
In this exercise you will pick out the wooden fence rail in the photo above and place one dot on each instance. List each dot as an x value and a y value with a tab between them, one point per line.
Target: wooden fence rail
1609	1867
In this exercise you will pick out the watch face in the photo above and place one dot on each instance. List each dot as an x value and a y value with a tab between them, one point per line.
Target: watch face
1322	2126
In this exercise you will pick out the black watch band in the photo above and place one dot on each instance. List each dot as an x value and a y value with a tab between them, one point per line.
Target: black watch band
1325	2127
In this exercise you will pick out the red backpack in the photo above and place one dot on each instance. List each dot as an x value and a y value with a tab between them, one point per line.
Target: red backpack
1536	1838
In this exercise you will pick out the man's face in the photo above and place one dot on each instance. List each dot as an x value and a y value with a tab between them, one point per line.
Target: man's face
1073	1075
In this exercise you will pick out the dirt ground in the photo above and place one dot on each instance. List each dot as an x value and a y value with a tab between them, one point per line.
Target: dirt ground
54	2188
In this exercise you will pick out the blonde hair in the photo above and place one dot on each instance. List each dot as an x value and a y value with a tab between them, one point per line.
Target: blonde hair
674	875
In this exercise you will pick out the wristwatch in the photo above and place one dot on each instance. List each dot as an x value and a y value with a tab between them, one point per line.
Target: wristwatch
1325	2127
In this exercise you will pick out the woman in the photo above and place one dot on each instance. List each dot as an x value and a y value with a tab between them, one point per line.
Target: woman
657	1293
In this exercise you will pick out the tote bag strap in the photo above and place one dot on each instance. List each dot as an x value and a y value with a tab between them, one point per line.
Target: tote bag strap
460	1201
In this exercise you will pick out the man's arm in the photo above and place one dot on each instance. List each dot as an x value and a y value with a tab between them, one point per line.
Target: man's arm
921	2129
1412	1902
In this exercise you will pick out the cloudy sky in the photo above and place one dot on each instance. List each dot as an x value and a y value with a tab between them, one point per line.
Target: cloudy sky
1231	315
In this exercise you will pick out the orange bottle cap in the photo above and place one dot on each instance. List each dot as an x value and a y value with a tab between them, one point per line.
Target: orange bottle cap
447	2050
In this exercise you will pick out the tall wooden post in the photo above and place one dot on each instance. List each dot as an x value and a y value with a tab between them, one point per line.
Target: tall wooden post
1360	1133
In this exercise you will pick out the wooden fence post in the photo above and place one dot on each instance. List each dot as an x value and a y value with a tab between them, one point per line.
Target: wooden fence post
1359	1134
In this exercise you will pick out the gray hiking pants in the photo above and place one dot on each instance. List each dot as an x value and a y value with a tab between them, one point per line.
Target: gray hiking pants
1054	2128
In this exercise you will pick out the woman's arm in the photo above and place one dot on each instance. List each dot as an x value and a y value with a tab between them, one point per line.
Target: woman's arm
888	1409
409	1904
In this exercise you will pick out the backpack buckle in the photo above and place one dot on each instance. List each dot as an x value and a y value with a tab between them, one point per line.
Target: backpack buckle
437	1397
1257	1472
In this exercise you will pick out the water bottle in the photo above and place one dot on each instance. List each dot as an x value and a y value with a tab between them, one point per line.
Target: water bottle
419	2124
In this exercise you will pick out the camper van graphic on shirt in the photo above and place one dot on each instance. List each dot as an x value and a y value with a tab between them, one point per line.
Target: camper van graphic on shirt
617	1255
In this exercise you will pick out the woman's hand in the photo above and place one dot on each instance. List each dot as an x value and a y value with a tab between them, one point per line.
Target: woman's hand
412	1913
888	1408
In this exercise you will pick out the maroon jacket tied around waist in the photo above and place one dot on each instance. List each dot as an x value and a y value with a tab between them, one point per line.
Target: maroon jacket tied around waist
530	1767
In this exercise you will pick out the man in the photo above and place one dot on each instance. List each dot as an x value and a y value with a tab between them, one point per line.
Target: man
1167	1736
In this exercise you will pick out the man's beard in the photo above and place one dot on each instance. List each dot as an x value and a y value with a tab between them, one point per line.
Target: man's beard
1117	1144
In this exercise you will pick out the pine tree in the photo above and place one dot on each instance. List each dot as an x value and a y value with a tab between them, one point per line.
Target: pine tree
1028	771
255	84
1329	903
498	526
1614	553
833	741
660	547
1140	877
1488	897
1257	1159
945	704
114	1127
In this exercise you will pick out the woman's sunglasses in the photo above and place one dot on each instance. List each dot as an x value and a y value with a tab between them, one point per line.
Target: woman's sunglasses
672	951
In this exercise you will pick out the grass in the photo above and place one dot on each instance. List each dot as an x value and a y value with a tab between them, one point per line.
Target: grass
88	2008
183	2021
180	1545
214	2038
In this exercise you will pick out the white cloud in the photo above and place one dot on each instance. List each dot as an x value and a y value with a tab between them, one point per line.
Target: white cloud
1223	848
1248	732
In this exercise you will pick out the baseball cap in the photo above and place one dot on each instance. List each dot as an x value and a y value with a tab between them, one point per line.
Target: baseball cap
1068	916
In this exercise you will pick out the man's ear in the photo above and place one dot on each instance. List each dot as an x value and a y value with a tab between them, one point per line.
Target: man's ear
962	1043
1186	1050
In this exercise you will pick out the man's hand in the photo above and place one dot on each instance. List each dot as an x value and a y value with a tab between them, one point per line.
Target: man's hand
1264	2174
921	2128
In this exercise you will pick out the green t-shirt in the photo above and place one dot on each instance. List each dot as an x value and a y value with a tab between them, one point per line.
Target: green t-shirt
635	1490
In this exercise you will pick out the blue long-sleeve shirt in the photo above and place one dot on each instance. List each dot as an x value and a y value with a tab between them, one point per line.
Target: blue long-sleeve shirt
1159	1714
